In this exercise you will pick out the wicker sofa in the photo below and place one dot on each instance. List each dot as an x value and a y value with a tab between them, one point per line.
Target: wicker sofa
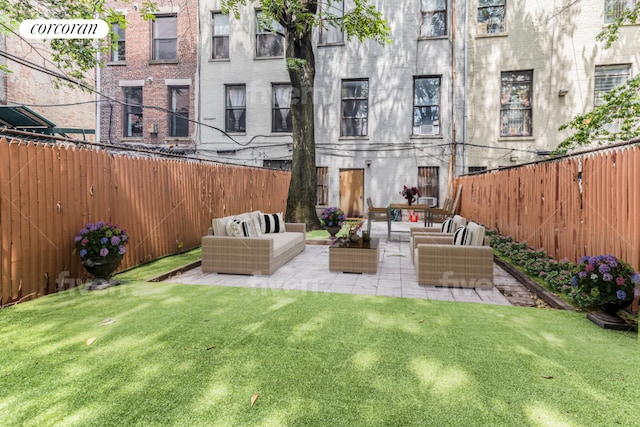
438	262
261	254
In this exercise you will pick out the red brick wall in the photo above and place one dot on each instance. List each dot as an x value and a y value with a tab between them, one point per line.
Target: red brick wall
138	67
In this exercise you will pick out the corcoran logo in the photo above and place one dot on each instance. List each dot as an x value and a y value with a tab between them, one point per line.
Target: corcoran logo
64	29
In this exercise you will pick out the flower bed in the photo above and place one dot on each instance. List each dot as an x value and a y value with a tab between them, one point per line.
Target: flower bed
593	282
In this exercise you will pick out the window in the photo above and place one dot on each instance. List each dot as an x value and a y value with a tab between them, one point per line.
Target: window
477	169
322	175
165	37
490	16
118	44
220	44
614	8
608	77
434	18
426	106
280	111
281	165
179	107
429	182
235	113
355	104
269	37
333	34
133	111
515	103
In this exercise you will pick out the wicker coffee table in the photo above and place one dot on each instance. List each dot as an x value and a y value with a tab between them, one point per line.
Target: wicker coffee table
354	257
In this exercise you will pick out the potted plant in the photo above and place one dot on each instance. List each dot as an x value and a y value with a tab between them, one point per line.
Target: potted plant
332	219
101	247
603	282
410	193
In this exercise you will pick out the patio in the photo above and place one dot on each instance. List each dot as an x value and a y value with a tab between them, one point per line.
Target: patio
396	275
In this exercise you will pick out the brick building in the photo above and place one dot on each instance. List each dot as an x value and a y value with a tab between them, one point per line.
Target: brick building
148	78
63	105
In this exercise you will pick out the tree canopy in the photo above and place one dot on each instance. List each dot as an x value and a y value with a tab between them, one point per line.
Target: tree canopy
618	117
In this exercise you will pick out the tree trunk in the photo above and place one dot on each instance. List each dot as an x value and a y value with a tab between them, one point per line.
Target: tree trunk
301	201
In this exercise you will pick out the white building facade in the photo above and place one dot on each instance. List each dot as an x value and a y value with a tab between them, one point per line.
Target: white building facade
534	66
384	114
464	86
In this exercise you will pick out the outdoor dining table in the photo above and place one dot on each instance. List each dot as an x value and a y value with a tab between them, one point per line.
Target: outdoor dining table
426	209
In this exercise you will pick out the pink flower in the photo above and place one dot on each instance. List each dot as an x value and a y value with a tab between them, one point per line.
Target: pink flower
620	281
588	268
104	252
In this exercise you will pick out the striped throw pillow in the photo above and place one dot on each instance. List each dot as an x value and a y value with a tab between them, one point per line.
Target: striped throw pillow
461	236
446	225
272	223
238	228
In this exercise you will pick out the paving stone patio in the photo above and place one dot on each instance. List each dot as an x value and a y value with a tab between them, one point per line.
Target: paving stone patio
395	278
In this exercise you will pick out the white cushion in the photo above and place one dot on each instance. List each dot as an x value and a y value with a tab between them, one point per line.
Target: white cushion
272	223
477	234
282	242
219	226
255	218
238	228
446	225
458	221
254	230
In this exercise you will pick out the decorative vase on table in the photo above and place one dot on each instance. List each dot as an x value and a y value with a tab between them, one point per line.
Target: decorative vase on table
333	231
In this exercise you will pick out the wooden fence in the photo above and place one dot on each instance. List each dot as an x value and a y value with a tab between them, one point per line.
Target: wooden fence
49	192
585	204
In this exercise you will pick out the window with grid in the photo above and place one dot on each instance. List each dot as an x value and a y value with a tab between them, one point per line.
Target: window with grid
516	103
322	174
269	37
491	16
332	34
282	165
426	106
179	107
477	169
132	111
607	78
236	108
429	181
280	108
165	37
614	8
117	44
220	42
355	104
434	18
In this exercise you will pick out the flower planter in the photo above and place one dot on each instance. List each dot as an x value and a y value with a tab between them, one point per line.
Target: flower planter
102	268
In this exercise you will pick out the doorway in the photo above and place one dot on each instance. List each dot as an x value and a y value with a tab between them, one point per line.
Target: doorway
352	192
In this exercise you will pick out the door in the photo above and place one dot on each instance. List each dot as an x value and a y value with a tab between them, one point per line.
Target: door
352	192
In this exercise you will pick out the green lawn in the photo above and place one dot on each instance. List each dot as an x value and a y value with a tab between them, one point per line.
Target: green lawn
165	354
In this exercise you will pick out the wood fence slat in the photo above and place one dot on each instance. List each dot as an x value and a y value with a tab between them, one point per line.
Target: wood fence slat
542	203
49	191
5	222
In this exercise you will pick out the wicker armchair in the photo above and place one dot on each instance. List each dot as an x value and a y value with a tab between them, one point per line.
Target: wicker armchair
440	263
456	221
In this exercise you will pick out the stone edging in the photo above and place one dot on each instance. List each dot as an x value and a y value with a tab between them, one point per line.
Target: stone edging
168	274
541	292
